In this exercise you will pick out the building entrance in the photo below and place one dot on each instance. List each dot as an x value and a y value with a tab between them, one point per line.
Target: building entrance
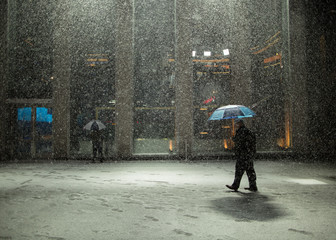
32	132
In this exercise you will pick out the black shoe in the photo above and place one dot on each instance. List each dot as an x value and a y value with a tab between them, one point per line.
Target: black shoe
232	188
252	189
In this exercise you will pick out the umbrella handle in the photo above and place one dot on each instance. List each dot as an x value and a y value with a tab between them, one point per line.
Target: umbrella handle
233	127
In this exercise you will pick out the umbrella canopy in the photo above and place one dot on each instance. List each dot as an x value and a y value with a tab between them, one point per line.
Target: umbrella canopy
231	112
94	125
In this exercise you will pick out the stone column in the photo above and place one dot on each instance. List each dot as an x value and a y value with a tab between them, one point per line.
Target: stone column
124	78
3	76
297	84
286	76
61	85
184	79
241	81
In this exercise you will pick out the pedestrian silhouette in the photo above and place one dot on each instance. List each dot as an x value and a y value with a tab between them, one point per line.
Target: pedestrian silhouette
97	142
244	149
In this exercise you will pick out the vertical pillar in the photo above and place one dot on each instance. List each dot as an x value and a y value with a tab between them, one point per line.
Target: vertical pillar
61	85
124	78
297	84
286	76
184	79
3	76
241	82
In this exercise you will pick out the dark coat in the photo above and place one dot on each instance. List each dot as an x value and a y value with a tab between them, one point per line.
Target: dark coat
96	136
244	143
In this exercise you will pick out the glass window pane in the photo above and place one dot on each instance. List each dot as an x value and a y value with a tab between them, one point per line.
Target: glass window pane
237	58
154	76
30	49
212	60
23	132
43	129
93	73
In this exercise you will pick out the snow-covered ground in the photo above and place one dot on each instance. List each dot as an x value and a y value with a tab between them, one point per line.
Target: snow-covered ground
165	200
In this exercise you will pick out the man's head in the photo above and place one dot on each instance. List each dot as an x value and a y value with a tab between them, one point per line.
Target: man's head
239	122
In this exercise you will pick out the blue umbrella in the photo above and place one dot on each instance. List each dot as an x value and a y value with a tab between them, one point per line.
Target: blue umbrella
231	112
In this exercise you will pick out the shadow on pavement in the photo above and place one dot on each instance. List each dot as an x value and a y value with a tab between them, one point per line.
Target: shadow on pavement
249	207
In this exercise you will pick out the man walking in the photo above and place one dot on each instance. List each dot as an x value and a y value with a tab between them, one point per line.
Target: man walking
244	149
97	142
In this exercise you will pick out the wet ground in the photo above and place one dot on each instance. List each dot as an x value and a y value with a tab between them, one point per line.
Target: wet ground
166	200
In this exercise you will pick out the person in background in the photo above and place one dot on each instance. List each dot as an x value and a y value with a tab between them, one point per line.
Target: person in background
97	142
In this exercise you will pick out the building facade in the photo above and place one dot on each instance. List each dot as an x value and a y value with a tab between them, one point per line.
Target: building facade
154	71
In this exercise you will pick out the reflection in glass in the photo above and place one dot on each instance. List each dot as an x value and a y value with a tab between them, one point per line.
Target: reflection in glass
24	130
43	130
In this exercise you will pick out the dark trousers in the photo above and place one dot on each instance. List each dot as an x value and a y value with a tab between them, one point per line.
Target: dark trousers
97	146
245	165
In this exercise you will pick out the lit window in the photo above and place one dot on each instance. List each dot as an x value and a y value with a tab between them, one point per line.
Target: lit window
207	53
226	52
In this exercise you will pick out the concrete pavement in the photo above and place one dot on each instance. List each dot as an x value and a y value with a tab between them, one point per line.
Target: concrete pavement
166	200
